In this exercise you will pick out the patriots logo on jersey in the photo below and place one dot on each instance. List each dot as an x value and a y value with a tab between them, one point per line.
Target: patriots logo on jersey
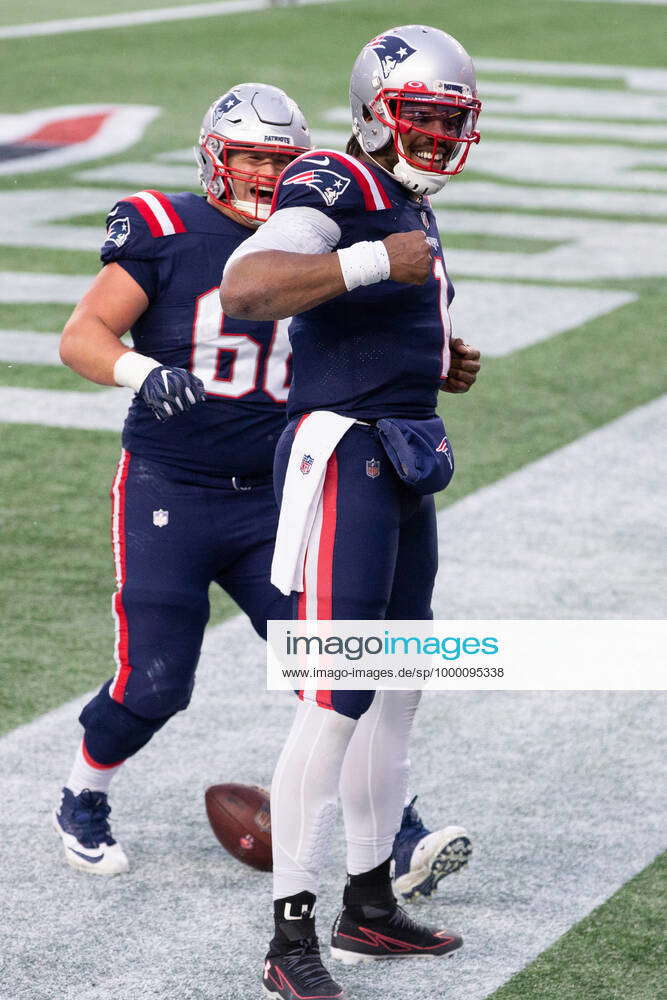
118	231
391	50
327	183
224	106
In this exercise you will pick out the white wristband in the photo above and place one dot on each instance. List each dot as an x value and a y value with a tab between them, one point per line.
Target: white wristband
131	369
364	263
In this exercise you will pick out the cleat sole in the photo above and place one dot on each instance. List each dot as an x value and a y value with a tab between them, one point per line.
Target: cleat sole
451	858
355	958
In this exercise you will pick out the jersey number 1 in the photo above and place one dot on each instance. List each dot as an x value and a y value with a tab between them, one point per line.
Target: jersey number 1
245	372
441	277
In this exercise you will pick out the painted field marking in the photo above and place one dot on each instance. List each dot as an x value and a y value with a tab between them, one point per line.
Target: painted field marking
25	286
501	317
25	347
577	534
184	12
104	410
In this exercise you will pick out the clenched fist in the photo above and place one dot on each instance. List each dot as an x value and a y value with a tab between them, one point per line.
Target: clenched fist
463	367
409	257
168	391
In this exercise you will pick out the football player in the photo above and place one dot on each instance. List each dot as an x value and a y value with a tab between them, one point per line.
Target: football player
192	500
352	251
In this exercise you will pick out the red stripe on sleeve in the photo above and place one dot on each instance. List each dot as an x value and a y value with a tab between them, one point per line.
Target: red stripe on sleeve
147	215
174	217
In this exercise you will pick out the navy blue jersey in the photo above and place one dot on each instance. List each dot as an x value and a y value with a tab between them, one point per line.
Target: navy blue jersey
380	350
175	247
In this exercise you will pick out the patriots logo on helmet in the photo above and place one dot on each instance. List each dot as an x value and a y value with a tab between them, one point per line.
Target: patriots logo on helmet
224	106
118	231
327	183
391	50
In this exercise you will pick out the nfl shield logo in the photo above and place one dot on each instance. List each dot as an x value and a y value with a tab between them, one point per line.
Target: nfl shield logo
160	518
306	464
372	468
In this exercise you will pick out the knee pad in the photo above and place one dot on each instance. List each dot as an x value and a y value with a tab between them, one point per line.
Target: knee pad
112	731
159	693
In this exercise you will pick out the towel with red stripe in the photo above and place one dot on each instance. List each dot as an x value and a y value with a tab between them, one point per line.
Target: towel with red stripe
315	440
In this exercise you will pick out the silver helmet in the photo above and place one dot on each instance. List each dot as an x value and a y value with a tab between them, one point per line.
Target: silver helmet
405	79
251	116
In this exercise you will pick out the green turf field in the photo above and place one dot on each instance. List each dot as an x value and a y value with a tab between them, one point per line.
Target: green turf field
56	569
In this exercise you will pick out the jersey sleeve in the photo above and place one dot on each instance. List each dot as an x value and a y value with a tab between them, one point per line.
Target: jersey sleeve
129	242
331	182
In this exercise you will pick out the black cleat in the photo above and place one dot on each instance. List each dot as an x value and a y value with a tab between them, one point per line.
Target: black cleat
294	971
386	934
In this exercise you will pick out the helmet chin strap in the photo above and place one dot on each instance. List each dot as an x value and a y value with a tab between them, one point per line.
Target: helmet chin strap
251	208
418	181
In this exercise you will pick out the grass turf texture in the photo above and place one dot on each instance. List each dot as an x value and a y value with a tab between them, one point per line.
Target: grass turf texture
56	567
27	376
523	407
157	67
618	952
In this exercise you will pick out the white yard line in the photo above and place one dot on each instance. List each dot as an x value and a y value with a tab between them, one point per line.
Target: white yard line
101	411
576	534
184	12
24	347
641	77
29	286
553	787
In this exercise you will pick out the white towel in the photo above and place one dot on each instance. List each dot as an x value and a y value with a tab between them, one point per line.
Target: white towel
313	445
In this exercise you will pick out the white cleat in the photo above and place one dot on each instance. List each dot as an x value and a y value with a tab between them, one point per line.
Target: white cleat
422	858
82	823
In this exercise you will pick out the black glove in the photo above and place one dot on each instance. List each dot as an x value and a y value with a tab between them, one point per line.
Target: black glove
171	390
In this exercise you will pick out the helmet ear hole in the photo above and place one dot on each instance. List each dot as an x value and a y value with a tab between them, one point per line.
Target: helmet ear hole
368	117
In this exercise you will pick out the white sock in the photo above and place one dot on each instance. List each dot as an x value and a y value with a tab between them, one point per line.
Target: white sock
374	778
304	795
86	774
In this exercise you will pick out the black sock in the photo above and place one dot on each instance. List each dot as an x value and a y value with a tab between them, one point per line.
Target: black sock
369	891
293	916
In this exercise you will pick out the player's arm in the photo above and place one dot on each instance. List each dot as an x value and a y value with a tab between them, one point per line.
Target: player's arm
268	278
91	346
90	343
274	284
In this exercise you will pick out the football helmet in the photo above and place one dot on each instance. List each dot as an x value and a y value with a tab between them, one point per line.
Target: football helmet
251	116
408	79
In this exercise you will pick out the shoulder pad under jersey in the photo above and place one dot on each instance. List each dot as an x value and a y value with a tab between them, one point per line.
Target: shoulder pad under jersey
135	224
331	182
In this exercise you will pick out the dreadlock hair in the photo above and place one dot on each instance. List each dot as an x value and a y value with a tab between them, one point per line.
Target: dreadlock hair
353	148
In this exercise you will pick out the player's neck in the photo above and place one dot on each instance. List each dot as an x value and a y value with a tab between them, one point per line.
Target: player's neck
231	214
387	164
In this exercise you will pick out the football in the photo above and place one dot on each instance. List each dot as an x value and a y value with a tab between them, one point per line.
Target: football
240	817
